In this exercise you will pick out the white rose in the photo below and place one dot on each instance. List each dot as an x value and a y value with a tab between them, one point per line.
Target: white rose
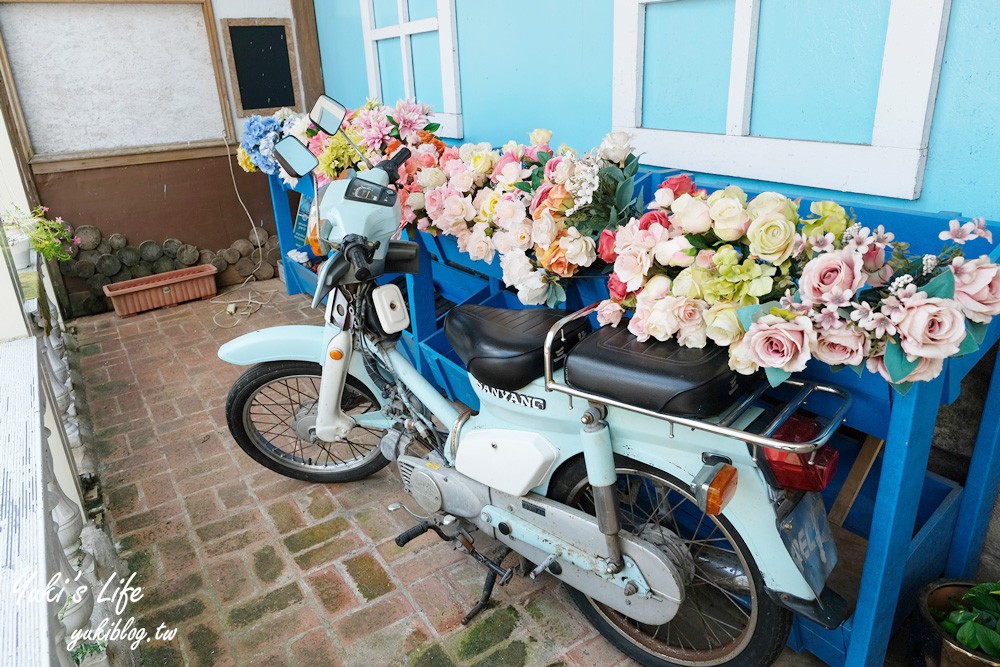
520	236
685	284
655	288
482	163
632	266
462	181
545	230
416	200
692	214
672	252
516	267
466	151
503	242
564	170
431	178
579	249
533	290
662	199
457	207
540	136
731	192
480	247
616	146
509	213
510	147
740	359
767	203
662	322
772	237
511	174
731	220
724	326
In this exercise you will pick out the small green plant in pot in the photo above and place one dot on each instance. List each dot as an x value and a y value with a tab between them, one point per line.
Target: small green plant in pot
973	621
49	237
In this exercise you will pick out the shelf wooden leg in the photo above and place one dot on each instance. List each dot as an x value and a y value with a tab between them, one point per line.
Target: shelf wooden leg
855	479
908	445
980	489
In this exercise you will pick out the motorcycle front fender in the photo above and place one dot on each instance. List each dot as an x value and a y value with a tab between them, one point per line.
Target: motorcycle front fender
295	342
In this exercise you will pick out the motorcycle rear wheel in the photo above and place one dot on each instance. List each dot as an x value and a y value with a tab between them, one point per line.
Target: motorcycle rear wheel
270	409
714	626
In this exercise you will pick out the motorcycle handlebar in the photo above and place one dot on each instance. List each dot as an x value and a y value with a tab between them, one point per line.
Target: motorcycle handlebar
357	255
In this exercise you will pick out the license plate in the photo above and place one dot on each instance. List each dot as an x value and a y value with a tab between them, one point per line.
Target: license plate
806	534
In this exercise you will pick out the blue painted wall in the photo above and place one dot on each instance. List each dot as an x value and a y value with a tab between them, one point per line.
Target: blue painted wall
527	64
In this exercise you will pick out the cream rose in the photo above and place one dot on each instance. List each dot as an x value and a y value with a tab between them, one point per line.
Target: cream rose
655	289
503	242
740	359
579	249
509	213
768	203
480	247
462	181
609	312
662	322
663	198
691	214
977	288
520	236
846	346
777	343
616	146
690	282
723	325
416	200
563	171
545	230
729	217
516	267
730	192
842	270
539	136
431	178
533	290
931	327
772	237
672	252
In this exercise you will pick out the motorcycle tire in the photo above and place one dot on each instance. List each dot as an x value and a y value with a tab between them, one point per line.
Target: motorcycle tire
270	409
708	640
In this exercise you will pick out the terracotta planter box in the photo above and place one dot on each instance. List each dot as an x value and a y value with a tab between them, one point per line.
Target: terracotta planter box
164	289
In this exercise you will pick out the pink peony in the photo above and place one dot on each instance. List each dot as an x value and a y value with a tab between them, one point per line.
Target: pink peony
773	342
931	327
841	273
609	312
617	288
606	246
846	346
927	369
977	288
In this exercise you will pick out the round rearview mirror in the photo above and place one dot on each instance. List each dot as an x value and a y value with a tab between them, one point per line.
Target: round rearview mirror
294	157
328	114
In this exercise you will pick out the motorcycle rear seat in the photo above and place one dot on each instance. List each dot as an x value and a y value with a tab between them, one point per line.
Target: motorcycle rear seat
503	348
659	376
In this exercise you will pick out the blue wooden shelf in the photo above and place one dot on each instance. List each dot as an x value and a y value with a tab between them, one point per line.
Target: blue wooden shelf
917	525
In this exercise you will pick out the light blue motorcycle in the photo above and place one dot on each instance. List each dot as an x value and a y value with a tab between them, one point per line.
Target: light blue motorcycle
648	477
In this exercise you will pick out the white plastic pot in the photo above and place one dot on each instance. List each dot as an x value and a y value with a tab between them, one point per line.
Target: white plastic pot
20	250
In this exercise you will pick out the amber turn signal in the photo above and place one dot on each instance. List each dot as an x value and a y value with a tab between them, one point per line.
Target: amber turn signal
714	486
336	355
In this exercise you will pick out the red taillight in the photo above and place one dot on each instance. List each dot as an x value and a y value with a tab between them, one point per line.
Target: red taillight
794	471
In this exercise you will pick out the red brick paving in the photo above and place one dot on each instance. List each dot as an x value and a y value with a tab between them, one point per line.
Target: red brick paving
214	535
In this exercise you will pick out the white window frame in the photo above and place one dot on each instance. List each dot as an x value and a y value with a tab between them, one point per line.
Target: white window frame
450	116
892	165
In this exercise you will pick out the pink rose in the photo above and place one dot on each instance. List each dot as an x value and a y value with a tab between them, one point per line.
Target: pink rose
541	194
632	266
434	202
931	327
690	314
682	184
879	273
842	270
674	252
649	218
531	152
977	288
704	259
606	246
609	312
773	342
505	159
927	369
550	168
423	159
638	326
617	288
846	346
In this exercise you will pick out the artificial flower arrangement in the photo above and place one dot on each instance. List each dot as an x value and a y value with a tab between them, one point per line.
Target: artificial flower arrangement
778	289
539	209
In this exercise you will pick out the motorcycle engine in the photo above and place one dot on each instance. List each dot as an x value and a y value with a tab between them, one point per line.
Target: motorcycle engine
439	488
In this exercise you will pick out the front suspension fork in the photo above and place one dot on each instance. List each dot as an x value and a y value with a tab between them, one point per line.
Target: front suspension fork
600	460
331	423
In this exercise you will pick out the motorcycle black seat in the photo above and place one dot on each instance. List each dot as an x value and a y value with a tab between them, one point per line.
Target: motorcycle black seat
503	348
660	376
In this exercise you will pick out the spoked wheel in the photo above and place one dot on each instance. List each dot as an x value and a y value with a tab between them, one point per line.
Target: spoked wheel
726	618
271	410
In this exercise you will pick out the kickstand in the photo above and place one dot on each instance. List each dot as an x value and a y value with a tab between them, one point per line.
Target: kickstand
491	580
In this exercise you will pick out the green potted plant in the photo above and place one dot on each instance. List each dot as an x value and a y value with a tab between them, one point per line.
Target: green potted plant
961	619
33	229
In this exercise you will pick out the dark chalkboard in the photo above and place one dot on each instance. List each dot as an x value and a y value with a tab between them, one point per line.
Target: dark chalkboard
263	70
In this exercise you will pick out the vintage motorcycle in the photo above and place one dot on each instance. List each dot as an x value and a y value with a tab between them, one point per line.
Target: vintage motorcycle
646	476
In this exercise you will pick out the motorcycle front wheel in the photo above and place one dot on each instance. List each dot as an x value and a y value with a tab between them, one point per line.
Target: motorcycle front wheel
726	618
271	408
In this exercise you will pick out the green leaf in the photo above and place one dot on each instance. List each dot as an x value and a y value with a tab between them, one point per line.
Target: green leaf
942	285
432	127
989	640
536	179
978	330
631	167
623	194
968	346
966	635
902	388
613	218
896	361
776	376
543	157
962	616
556	295
982	600
612	172
697	241
949	627
858	368
524	187
746	316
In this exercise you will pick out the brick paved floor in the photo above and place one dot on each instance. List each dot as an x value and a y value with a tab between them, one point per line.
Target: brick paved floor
257	569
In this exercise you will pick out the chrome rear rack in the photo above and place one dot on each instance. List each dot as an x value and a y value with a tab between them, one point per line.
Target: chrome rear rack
730	416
